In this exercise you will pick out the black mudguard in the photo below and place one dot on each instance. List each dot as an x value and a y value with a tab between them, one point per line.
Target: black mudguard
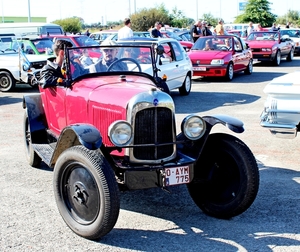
195	148
36	116
77	134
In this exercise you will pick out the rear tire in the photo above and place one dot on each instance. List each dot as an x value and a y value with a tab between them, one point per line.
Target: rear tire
277	58
186	87
290	57
249	68
7	82
33	159
226	177
86	192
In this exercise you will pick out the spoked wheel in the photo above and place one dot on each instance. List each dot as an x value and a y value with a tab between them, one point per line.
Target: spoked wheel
226	178
33	159
86	192
186	87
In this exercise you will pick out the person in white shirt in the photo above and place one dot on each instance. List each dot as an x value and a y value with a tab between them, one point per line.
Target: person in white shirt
250	28
125	32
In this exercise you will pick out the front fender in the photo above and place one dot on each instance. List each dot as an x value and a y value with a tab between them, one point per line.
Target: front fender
77	134
194	148
232	123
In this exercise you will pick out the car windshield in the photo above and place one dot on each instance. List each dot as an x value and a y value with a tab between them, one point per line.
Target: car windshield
219	43
44	46
173	35
263	36
104	59
8	46
291	33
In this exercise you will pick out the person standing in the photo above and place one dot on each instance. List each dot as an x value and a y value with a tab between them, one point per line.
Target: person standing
125	32
219	27
250	28
205	30
196	31
155	32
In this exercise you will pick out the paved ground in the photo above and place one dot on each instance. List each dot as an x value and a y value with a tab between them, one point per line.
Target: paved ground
152	220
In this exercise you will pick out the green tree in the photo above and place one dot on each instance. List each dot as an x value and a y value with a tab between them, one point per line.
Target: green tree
292	16
72	25
257	11
209	18
177	19
145	18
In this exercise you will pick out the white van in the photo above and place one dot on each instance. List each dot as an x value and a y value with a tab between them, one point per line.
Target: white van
25	29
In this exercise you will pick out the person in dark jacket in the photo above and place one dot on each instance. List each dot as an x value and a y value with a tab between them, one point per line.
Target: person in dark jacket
155	33
205	30
52	74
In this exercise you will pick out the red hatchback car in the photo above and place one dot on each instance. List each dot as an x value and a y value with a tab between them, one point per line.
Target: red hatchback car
271	46
220	56
114	129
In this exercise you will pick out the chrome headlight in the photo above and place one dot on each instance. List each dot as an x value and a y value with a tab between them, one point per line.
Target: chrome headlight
120	133
217	62
193	127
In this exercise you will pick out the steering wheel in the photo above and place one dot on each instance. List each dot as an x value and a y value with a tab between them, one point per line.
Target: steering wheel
125	59
223	48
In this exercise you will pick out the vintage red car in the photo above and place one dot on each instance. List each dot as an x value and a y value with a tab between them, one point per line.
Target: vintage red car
115	129
220	56
271	46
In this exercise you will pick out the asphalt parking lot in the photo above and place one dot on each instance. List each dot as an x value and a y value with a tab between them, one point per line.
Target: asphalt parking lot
153	220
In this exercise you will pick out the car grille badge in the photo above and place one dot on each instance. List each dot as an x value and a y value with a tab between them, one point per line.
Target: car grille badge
198	62
155	102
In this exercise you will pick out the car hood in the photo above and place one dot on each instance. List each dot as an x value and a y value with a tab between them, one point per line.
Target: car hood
287	85
113	90
207	55
35	58
261	44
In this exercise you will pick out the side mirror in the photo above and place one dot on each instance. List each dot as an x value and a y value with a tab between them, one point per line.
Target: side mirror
160	50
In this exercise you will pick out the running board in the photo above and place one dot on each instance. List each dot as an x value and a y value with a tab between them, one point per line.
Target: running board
45	151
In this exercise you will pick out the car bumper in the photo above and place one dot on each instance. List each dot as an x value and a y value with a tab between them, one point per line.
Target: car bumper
263	56
209	70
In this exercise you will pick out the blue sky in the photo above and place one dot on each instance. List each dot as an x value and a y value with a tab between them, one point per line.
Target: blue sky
114	10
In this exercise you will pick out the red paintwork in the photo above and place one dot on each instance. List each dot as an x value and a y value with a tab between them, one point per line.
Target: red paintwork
90	101
240	59
275	45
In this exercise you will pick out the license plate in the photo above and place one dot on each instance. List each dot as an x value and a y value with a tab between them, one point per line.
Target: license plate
199	68
177	175
255	60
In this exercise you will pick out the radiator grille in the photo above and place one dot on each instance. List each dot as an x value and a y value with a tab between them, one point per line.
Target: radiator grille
153	125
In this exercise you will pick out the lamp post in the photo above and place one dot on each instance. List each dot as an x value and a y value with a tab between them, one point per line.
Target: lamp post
197	10
29	17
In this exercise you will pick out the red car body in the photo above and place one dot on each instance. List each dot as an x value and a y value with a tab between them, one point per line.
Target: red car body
270	46
222	60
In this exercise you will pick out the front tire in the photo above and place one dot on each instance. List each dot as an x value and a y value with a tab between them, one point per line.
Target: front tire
7	82
277	58
226	177
86	192
229	72
33	159
186	87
